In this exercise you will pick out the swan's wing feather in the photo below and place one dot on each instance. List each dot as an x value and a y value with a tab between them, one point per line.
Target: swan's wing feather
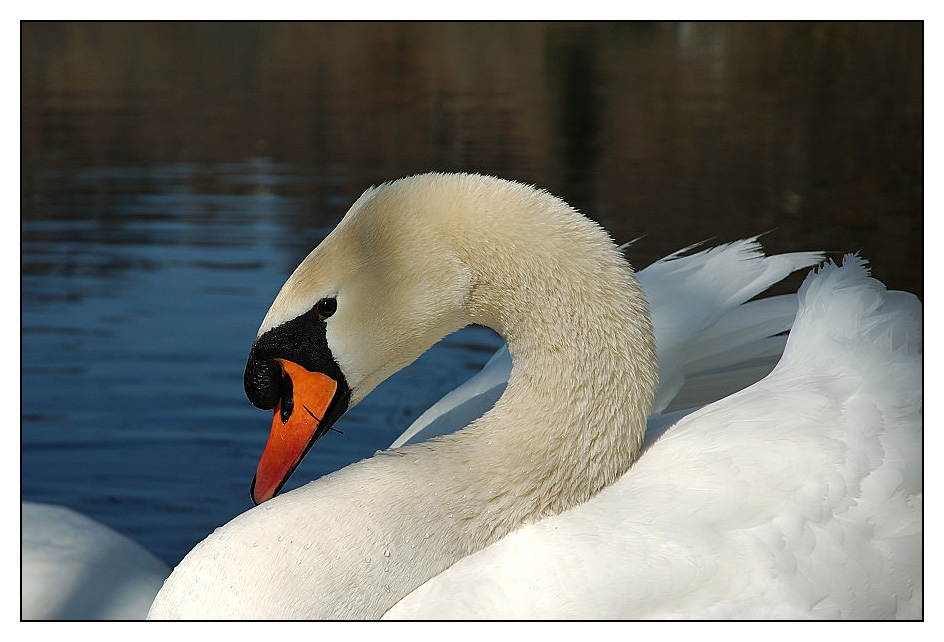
742	347
462	405
696	300
799	496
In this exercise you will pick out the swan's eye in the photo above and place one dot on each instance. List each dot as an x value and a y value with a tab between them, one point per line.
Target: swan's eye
326	307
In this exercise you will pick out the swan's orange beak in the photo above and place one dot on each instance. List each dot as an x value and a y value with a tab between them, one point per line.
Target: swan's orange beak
296	426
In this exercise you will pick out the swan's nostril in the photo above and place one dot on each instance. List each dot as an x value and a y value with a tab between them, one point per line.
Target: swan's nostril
262	382
288	398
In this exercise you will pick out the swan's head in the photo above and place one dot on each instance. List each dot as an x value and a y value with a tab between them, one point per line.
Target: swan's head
416	259
381	289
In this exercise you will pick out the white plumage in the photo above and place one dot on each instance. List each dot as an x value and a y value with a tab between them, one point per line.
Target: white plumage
74	568
797	497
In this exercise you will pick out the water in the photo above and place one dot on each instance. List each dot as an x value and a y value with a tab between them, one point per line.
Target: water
139	309
174	174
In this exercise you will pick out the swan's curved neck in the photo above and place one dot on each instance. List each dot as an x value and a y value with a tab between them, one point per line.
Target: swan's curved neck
571	420
573	416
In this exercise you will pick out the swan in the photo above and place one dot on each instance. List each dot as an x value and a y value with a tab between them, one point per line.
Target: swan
796	496
75	568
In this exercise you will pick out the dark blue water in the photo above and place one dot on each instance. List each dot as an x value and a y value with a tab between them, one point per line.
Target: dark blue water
139	308
174	174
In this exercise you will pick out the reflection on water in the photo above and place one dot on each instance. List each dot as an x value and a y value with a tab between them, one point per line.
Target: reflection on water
174	174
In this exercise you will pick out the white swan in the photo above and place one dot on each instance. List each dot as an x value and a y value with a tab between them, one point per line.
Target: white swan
798	496
74	568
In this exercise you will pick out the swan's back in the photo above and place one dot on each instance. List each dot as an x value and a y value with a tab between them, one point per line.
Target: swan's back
799	496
